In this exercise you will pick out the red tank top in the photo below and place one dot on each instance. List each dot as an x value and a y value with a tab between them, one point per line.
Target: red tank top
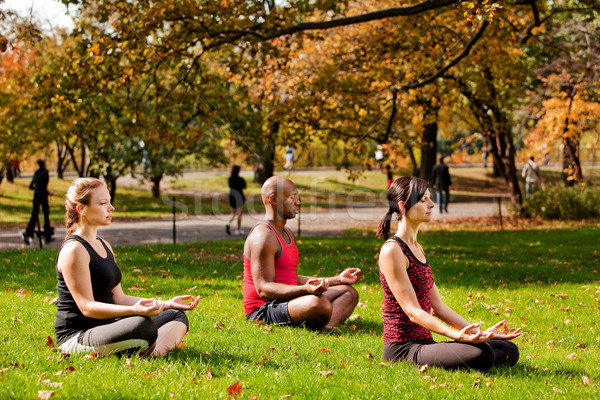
397	327
285	271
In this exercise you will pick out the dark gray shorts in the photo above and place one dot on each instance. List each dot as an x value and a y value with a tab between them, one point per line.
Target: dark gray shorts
273	312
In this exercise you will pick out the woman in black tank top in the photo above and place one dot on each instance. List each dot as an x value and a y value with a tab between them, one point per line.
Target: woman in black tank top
413	306
94	315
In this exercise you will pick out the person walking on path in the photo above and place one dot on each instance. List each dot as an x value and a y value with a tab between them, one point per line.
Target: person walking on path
289	158
390	175
440	178
532	174
413	306
94	315
272	290
39	185
237	184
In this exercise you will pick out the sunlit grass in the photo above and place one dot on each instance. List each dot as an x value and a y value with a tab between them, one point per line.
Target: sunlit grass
546	281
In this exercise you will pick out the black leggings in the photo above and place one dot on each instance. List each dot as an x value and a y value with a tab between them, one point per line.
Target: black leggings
126	334
453	355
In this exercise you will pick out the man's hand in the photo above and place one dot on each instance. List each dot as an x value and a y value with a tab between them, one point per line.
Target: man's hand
316	285
350	276
503	332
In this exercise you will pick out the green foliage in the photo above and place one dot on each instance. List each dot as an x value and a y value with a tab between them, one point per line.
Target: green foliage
547	286
560	202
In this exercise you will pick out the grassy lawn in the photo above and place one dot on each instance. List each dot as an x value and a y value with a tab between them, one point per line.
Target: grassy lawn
547	282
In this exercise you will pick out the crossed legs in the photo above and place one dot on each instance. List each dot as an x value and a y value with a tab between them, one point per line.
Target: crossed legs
326	310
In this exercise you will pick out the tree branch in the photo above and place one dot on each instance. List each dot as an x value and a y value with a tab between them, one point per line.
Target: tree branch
465	52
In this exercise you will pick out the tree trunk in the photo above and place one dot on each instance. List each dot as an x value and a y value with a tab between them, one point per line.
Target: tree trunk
497	129
413	159
111	182
571	172
428	150
156	185
62	153
265	156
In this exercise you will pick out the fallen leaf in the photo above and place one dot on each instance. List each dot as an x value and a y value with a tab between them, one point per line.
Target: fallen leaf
557	390
209	374
571	356
91	356
324	350
45	394
219	326
50	342
370	356
424	369
476	382
429	378
64	371
52	384
326	373
180	345
354	317
561	295
128	363
17	319
234	390
587	381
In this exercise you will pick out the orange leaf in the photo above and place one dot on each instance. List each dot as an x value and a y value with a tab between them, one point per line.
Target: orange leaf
234	390
324	350
91	356
181	344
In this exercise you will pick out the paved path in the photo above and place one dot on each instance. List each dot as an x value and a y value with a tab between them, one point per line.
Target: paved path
212	227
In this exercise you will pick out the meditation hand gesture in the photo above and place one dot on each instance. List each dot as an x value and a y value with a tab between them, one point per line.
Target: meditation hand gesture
184	303
473	334
503	332
350	276
316	285
148	307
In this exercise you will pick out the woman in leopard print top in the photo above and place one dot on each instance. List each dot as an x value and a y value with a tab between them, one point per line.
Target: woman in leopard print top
413	306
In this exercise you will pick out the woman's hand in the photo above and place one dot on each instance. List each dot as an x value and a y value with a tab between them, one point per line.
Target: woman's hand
184	303
349	276
473	334
503	332
148	307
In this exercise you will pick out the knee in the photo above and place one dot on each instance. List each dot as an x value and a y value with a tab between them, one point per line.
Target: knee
319	311
510	354
487	358
145	329
352	296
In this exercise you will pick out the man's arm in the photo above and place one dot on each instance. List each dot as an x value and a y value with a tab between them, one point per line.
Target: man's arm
263	247
348	277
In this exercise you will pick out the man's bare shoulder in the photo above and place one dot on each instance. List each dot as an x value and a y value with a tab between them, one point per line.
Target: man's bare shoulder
260	239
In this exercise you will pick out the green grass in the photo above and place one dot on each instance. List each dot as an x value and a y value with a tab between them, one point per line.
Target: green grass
546	282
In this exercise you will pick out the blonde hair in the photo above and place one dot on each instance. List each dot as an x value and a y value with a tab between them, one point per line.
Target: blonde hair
80	192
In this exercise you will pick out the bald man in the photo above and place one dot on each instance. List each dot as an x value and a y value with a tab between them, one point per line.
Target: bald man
273	292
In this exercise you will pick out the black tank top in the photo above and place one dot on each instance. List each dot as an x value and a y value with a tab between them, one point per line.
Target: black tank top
105	276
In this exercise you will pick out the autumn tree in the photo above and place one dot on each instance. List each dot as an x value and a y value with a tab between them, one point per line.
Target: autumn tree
566	102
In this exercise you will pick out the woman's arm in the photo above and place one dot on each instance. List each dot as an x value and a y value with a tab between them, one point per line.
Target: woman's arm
445	313
393	264
74	263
